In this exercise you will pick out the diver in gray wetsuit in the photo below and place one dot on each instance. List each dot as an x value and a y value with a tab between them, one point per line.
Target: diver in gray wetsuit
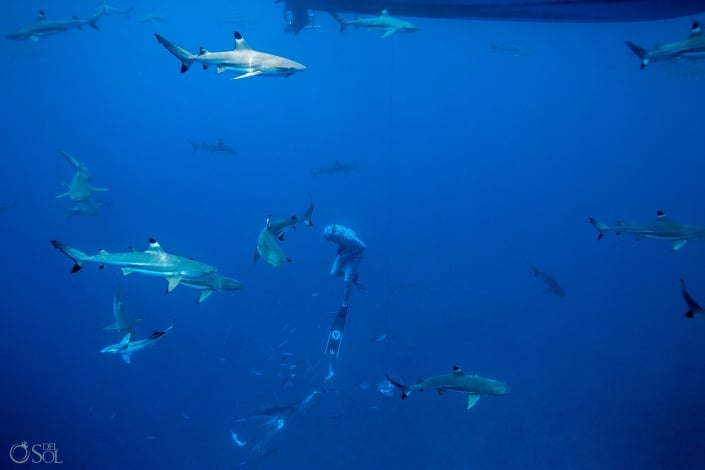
350	250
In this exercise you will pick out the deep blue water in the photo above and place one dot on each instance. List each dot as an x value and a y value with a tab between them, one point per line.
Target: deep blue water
472	163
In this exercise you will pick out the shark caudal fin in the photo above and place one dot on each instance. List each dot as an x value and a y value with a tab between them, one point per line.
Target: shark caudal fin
602	228
693	307
77	256
309	212
93	20
404	389
179	52
640	52
341	21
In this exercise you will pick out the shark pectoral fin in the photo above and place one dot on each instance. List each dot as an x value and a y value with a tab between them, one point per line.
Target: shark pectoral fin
126	358
219	69
205	293
678	244
173	282
472	399
638	236
388	33
99	189
62	195
256	256
441	391
248	75
126	271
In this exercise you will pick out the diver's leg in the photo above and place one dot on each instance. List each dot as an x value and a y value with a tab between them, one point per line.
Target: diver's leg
337	268
335	337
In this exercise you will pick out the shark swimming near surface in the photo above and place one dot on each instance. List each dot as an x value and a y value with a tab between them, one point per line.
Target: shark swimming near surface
154	261
552	285
590	11
338	167
242	59
383	22
217	147
126	346
694	309
267	247
45	27
457	381
662	228
693	47
80	187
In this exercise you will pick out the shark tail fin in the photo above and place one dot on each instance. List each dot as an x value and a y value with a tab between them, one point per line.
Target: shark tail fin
404	389
77	256
341	21
602	228
93	20
693	307
179	52
640	52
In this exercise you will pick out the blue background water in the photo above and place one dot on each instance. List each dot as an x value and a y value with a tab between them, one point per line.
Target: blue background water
472	163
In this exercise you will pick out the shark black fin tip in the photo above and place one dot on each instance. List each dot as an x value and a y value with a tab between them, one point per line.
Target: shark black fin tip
689	314
76	268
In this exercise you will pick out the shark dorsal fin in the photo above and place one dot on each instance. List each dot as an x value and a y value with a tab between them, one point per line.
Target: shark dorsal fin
695	29
457	371
202	50
385	12
41	16
661	217
240	43
154	247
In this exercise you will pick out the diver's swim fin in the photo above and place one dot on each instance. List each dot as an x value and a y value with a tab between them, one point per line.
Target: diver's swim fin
335	337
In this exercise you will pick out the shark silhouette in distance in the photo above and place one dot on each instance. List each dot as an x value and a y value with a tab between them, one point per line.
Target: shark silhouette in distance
662	228
552	285
45	27
338	167
217	147
267	247
691	48
242	59
80	188
296	12
384	22
694	309
457	381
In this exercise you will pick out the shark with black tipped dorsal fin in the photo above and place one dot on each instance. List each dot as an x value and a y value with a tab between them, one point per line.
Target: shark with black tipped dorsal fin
662	228
693	308
457	381
219	146
126	346
154	261
267	247
44	27
550	281
383	22
693	47
242	59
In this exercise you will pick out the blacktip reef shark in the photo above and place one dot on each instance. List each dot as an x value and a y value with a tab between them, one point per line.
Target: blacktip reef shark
211	282
693	308
552	285
662	228
154	261
217	147
126	347
115	11
338	167
457	381
44	27
383	22
267	247
693	47
80	188
242	59
123	323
